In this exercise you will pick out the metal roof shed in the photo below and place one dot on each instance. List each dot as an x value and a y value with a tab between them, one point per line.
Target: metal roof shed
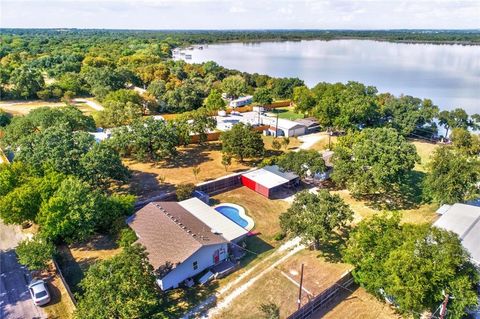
265	180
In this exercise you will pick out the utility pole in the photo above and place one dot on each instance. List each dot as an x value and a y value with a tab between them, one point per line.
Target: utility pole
299	301
276	125
443	312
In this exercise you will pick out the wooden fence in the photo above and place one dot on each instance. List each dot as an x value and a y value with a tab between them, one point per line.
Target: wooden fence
321	301
64	282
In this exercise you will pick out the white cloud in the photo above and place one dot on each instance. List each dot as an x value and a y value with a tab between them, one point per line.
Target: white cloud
229	14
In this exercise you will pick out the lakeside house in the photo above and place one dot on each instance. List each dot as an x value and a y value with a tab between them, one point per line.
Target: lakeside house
184	239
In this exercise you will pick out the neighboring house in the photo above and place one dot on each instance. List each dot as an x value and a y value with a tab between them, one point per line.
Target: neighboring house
310	123
327	157
269	180
284	127
464	220
241	101
179	244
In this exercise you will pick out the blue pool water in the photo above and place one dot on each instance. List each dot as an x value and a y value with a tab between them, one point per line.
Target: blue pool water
233	214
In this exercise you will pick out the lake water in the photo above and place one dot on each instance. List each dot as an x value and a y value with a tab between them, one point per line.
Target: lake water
447	74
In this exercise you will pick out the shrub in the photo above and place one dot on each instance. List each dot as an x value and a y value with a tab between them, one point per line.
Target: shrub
184	191
127	237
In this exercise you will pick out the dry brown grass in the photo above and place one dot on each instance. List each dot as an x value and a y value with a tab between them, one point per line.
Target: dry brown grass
424	150
322	145
150	179
358	304
294	142
276	288
425	213
17	108
265	212
61	305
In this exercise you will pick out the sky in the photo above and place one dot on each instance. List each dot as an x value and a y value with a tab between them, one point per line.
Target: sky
241	14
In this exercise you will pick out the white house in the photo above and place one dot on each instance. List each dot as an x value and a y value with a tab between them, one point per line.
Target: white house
183	239
284	127
241	101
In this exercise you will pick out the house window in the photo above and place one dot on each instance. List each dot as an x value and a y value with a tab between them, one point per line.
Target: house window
195	265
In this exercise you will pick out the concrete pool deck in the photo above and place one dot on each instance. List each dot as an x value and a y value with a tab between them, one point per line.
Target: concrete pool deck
241	213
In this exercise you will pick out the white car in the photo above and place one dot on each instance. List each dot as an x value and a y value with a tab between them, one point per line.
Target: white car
39	292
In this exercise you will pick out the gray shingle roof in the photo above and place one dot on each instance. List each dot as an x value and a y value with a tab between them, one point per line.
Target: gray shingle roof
170	233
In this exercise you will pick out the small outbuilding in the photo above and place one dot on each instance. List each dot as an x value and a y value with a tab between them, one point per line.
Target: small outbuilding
311	124
268	180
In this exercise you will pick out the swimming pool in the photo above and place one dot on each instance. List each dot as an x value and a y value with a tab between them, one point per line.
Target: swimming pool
235	213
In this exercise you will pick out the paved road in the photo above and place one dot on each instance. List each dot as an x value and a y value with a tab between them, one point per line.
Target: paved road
15	301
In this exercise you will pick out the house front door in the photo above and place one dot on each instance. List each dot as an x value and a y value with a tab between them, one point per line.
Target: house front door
216	257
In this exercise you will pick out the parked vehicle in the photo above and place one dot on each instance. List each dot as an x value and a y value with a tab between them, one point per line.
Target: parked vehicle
39	292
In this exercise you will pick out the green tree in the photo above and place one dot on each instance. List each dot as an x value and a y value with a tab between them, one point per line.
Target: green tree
184	191
303	99
27	81
75	211
234	86
452	177
283	88
226	161
315	217
146	140
408	114
121	107
22	203
120	287
263	96
465	142
127	237
412	264
373	161
214	101
242	142
456	118
102	165
199	122
304	163
35	253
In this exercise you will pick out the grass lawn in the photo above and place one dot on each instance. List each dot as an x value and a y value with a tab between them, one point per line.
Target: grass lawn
150	179
358	303
294	142
287	112
264	211
19	107
425	151
280	286
75	259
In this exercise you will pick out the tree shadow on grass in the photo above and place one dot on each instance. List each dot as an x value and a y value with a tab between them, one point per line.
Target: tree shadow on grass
408	195
332	250
192	155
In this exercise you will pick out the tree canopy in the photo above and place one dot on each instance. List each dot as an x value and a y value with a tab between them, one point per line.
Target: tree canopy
304	163
120	287
452	177
315	217
412	265
373	161
242	142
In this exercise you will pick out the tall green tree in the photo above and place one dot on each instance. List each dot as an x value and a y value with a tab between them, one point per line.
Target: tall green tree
315	217
373	161
121	107
27	81
304	163
214	101
121	287
456	118
242	142
283	88
234	86
263	96
146	140
412	264
452	177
